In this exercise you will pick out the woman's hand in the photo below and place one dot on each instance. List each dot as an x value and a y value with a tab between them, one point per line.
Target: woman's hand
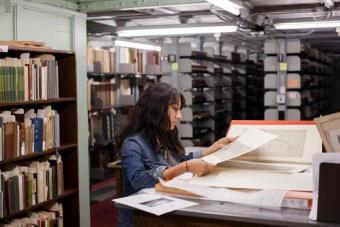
218	145
199	167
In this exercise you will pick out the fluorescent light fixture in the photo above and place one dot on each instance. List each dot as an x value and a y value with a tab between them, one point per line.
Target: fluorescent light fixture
142	46
227	5
328	3
306	25
177	31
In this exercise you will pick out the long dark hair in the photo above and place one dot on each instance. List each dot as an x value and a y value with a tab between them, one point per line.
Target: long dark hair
151	115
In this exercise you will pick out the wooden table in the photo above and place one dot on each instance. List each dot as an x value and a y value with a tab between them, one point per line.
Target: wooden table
117	168
216	214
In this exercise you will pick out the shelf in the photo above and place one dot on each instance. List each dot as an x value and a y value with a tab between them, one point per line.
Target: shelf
109	107
105	144
112	75
38	50
101	109
198	58
199	135
39	154
66	193
216	59
38	102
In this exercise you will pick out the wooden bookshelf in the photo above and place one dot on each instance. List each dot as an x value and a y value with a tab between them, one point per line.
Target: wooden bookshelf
66	106
65	195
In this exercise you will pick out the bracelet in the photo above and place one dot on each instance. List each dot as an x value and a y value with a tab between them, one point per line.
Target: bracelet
186	164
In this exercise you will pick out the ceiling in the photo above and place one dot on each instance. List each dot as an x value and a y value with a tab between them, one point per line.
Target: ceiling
105	16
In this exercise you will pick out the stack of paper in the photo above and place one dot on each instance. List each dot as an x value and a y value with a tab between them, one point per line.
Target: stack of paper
265	162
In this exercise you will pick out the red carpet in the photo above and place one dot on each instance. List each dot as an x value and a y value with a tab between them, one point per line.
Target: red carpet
102	184
103	214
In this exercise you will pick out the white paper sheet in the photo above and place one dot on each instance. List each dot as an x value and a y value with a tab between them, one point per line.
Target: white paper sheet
154	203
253	179
270	199
294	143
264	166
247	141
317	160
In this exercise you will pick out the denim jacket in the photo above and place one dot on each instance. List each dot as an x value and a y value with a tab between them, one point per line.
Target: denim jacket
143	164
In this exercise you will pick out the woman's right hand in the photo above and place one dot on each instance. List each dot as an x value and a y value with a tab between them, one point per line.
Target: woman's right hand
199	167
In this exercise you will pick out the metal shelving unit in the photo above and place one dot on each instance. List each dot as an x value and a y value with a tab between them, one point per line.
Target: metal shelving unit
297	80
110	96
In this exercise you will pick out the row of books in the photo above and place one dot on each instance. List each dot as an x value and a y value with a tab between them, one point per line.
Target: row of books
102	127
131	60
100	61
24	132
101	93
25	78
51	216
25	186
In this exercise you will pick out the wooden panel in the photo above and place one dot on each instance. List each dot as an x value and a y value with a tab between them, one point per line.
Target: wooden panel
70	161
67	80
68	123
6	23
71	210
50	27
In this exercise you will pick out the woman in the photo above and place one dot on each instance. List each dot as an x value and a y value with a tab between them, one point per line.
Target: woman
149	144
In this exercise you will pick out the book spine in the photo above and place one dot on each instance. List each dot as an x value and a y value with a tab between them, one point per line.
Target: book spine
297	203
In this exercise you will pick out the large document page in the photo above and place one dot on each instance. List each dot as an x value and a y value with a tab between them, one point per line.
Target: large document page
254	179
248	140
270	199
294	142
266	167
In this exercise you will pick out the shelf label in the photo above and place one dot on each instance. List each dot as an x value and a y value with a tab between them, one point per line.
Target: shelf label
283	66
292	83
3	48
292	95
174	66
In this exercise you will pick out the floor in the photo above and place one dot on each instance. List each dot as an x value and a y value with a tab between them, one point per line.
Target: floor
103	214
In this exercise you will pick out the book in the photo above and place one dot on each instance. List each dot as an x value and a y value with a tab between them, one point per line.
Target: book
293	199
298	200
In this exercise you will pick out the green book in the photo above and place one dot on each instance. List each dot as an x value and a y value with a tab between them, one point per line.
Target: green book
1	83
6	84
15	190
11	83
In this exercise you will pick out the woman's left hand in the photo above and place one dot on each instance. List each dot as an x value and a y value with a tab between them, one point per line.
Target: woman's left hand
218	145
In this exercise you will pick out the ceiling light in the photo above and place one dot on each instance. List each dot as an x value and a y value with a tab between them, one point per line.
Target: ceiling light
305	25
142	46
328	3
228	5
142	32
